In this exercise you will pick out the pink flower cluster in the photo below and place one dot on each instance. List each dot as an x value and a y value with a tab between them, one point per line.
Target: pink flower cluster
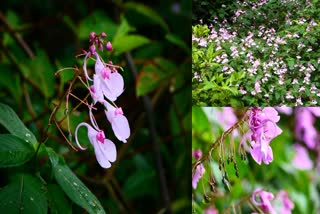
268	203
105	87
262	129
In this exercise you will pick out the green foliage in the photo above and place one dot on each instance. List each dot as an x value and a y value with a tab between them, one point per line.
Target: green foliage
14	151
24	194
10	120
73	186
52	37
276	53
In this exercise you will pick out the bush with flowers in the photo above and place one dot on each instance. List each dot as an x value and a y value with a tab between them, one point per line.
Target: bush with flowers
256	160
262	52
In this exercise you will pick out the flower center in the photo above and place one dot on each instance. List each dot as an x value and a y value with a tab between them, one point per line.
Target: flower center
106	73
118	111
100	136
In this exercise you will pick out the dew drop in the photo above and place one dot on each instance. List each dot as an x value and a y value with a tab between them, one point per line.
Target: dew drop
74	183
31	199
28	135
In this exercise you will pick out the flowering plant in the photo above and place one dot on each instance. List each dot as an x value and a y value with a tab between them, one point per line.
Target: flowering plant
275	49
244	159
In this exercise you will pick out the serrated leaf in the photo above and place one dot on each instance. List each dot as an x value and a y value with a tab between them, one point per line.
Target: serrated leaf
73	186
126	43
148	12
23	195
10	120
14	151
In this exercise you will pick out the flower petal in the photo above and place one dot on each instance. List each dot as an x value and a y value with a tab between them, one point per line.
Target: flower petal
99	65
105	152
120	127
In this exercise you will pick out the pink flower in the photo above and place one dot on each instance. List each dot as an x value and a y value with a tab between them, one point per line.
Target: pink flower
287	204
211	210
119	122
301	160
197	175
104	149
109	82
263	129
265	200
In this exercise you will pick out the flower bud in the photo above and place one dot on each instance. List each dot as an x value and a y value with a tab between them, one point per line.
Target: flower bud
100	47
92	35
92	49
103	35
109	46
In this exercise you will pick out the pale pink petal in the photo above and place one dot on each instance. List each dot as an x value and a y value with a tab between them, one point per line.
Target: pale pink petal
97	94
117	84
120	127
108	93
99	65
256	153
105	152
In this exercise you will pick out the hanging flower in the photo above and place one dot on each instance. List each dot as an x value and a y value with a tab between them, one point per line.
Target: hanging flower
119	122
104	149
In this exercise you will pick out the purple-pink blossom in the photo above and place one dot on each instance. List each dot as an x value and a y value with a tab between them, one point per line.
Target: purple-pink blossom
301	159
264	202
263	129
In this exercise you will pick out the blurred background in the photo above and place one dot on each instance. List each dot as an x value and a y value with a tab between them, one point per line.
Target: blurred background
151	41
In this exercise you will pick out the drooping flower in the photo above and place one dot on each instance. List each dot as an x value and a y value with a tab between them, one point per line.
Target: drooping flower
265	200
263	129
104	148
109	82
119	122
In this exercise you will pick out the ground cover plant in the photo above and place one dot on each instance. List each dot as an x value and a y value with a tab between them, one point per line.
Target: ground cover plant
95	107
248	53
256	160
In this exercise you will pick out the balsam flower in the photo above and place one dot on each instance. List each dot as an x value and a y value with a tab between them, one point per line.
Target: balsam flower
104	149
263	129
110	82
119	122
265	200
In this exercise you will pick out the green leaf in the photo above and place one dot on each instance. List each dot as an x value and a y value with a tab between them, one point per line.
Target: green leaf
124	28
23	195
148	79
73	186
10	120
14	151
174	39
126	43
149	13
58	202
97	22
